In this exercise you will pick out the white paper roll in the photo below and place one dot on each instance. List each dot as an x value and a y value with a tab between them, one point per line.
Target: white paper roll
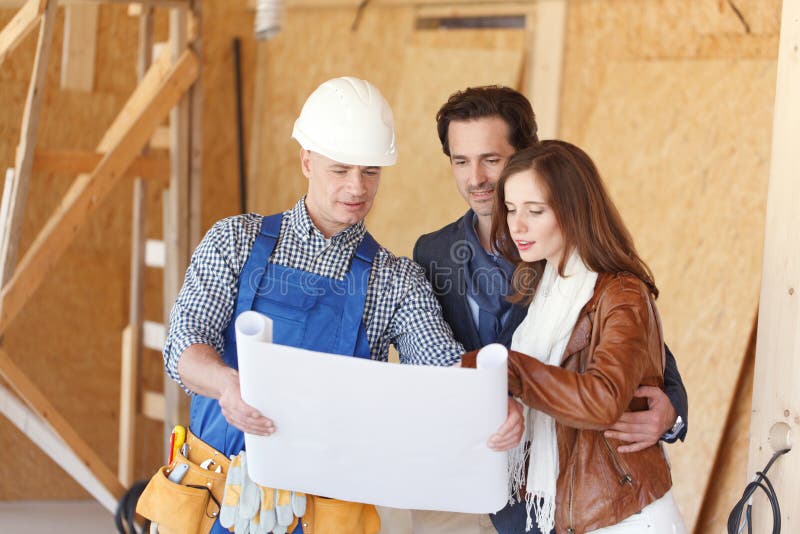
492	356
254	326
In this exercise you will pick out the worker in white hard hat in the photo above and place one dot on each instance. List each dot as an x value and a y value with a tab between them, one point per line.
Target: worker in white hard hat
346	133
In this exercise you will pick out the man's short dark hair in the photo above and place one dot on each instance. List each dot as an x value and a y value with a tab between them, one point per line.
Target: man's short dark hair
490	101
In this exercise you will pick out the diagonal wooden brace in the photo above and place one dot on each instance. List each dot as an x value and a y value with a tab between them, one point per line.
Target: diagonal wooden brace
20	26
148	106
37	401
73	162
43	436
12	209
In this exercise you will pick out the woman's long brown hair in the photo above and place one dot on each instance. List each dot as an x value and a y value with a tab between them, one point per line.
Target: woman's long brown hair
585	214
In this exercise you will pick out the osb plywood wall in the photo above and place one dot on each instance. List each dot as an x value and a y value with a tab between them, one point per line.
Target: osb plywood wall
415	70
674	101
68	338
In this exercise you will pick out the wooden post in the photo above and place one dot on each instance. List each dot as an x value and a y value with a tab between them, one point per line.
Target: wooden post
128	407
16	194
776	395
546	64
176	219
154	97
80	44
196	133
132	335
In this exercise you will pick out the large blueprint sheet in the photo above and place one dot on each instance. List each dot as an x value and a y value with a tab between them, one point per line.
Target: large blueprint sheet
394	435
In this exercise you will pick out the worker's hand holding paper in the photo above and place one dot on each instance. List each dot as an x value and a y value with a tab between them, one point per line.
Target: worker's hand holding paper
358	430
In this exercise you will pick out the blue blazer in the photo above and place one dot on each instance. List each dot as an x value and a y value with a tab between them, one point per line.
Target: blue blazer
447	274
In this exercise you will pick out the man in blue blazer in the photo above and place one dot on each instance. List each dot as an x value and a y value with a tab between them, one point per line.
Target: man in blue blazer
480	128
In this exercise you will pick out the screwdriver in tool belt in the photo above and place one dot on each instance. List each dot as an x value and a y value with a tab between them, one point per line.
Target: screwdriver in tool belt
176	439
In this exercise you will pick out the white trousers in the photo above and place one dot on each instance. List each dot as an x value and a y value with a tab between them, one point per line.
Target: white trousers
394	521
658	517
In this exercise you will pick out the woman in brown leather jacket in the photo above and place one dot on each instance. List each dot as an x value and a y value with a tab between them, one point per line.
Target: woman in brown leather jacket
591	337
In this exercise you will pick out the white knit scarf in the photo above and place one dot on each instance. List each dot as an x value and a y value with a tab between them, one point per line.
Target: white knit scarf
543	335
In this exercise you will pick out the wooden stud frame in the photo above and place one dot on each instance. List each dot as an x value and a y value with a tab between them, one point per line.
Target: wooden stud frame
40	432
154	169
20	26
160	89
16	189
147	107
132	335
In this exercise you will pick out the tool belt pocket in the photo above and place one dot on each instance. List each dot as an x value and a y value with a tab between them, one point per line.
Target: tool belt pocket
178	508
332	516
193	504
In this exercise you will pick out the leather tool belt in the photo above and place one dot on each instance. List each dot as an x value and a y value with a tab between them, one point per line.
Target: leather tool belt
192	505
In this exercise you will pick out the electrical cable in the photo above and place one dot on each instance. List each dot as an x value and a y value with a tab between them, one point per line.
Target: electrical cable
745	504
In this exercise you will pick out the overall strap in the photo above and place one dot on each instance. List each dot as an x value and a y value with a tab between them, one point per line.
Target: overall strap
358	276
256	264
367	249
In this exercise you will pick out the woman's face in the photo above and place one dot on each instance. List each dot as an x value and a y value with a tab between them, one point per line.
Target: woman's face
531	220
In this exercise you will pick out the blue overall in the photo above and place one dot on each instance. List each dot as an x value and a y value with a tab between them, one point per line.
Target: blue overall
308	311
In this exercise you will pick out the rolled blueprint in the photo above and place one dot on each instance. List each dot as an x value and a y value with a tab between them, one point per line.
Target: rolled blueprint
253	326
404	436
492	356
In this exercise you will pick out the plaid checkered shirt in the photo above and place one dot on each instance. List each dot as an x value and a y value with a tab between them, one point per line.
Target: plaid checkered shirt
400	306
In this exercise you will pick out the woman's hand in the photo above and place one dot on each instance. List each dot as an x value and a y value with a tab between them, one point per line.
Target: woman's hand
508	435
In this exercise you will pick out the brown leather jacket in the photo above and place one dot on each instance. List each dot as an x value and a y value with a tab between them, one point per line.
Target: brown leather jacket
616	345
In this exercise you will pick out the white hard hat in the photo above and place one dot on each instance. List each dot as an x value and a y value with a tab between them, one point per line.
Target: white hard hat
349	121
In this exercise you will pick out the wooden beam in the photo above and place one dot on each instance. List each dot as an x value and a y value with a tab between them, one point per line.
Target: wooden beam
776	396
43	436
128	408
152	3
19	27
545	64
158	92
259	126
12	4
132	335
144	53
291	4
153	406
176	219
153	335
154	253
13	204
80	43
506	9
196	130
37	401
160	139
72	162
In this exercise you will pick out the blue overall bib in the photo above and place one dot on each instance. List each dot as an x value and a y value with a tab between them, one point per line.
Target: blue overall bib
308	311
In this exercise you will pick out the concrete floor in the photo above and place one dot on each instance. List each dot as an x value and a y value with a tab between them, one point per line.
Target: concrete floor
61	517
88	517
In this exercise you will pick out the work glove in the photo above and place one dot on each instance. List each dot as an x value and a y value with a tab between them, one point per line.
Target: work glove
249	508
279	508
240	500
